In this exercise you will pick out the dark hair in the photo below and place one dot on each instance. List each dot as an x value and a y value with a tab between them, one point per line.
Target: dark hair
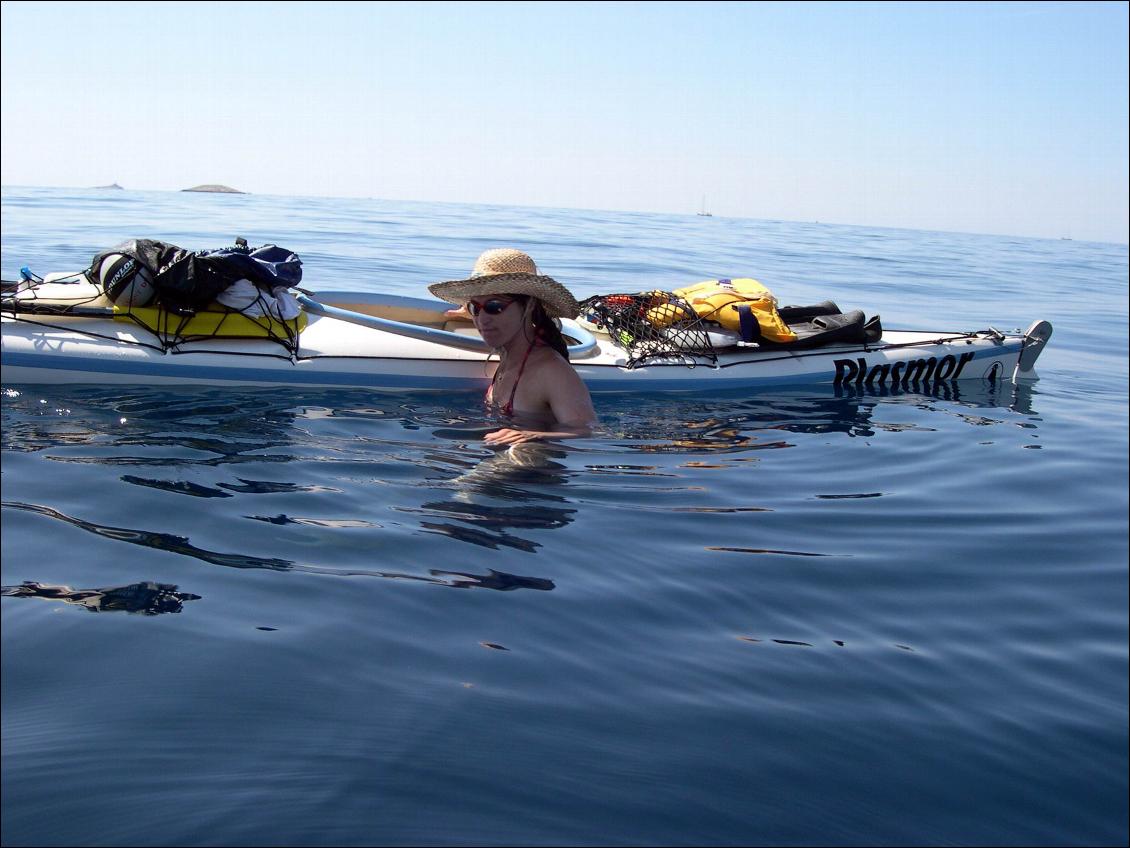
545	328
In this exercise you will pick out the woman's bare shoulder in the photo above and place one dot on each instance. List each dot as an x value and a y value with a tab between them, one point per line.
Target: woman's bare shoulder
553	365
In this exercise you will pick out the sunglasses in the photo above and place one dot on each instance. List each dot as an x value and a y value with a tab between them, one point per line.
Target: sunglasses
494	306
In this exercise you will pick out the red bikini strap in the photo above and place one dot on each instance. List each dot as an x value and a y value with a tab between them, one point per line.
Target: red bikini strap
508	410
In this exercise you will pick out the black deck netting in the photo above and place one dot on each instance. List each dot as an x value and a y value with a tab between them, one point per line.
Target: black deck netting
651	326
169	331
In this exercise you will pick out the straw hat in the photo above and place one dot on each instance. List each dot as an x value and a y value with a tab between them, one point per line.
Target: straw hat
505	270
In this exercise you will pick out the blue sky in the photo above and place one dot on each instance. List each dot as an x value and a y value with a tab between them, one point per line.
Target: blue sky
1005	118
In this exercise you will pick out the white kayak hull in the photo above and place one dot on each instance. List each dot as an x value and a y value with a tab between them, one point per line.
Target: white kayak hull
53	349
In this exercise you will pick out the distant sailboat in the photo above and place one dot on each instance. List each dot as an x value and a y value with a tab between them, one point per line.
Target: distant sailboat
704	213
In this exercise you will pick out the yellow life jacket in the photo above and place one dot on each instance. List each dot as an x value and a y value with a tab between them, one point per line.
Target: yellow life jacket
718	300
209	323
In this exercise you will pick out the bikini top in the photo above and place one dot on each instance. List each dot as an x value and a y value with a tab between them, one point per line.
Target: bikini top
508	409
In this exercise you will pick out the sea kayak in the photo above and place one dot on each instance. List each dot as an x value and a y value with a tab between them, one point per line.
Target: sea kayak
67	332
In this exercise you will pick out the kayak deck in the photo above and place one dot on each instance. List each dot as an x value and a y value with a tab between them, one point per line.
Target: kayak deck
354	343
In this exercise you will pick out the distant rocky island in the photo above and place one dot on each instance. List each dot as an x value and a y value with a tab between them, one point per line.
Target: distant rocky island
219	189
113	186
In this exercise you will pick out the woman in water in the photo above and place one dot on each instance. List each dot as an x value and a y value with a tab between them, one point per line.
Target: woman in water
514	308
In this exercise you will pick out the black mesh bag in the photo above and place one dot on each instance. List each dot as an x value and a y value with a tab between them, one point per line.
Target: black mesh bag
652	326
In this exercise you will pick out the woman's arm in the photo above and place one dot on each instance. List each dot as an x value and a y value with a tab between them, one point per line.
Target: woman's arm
508	436
569	398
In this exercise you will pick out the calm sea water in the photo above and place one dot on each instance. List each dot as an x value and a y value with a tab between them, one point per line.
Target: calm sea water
796	618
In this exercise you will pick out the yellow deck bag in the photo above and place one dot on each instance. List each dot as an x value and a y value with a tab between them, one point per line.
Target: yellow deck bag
715	300
211	323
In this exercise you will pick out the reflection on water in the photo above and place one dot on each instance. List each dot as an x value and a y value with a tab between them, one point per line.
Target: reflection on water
147	598
520	473
796	643
255	423
515	473
266	487
345	446
339	523
159	541
180	487
535	517
735	550
498	580
742	424
977	393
